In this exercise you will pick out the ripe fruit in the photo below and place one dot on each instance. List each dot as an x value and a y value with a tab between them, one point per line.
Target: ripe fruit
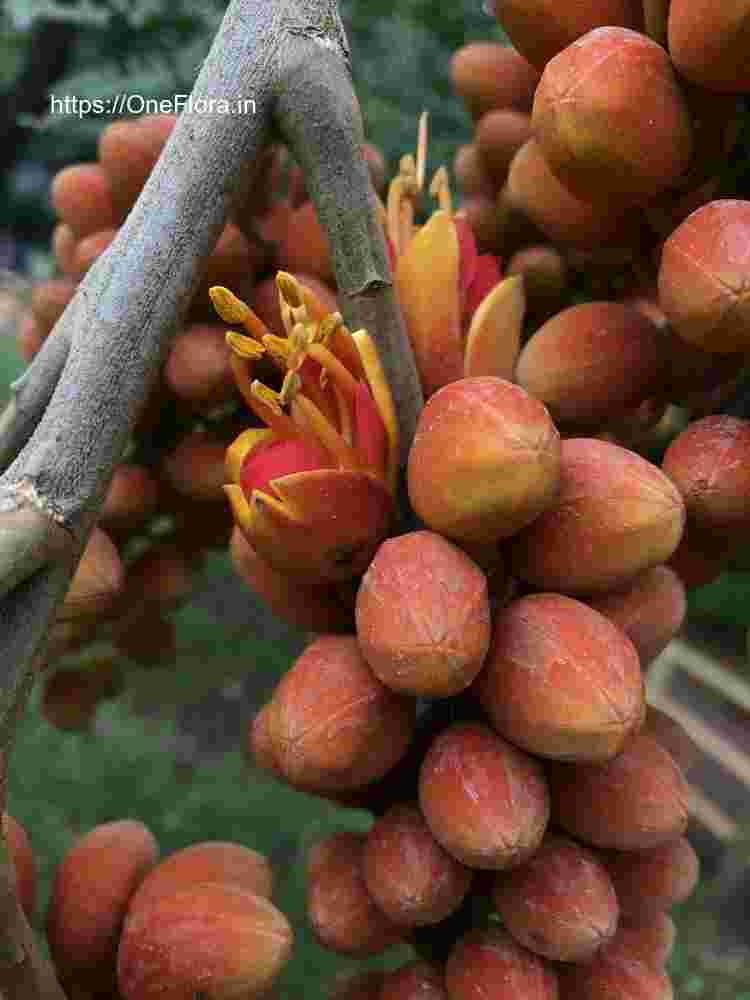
542	28
210	861
484	800
423	616
611	118
592	363
332	724
212	939
650	610
616	515
413	880
342	914
489	963
90	895
414	981
650	881
22	856
488	75
561	680
614	975
709	463
702	277
709	43
560	904
484	461
634	802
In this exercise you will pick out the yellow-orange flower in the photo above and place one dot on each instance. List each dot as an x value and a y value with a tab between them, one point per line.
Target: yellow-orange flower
313	491
461	317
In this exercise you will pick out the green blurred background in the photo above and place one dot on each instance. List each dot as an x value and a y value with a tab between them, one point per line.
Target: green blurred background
138	760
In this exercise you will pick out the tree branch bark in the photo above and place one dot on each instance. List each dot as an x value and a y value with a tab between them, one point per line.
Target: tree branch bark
74	409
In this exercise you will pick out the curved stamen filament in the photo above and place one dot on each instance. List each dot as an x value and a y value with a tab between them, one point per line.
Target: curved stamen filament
337	371
306	413
344	408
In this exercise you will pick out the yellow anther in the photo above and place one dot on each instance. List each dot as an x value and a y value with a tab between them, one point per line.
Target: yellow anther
228	306
270	397
327	326
244	347
289	289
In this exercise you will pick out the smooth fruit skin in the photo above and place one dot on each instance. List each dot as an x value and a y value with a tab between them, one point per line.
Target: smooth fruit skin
22	856
484	462
614	975
649	882
423	616
703	284
561	681
211	939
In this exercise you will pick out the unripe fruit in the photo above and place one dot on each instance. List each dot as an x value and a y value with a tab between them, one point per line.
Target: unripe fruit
484	462
196	466
198	368
413	880
499	136
561	680
333	725
211	939
423	616
670	734
634	802
88	250
90	895
304	247
616	516
49	301
709	43
650	611
161	577
82	198
648	939
489	963
211	861
97	585
709	463
611	118
147	638
488	75
648	882
614	976
533	189
71	696
542	28
342	914
22	856
484	800
699	559
472	173
131	498
321	608
560	904
544	273
702	277
414	981
592	363
128	151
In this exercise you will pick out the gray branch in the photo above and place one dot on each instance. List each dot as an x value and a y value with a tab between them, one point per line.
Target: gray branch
73	411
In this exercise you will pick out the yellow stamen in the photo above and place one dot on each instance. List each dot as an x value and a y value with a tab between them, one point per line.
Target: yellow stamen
381	393
289	388
265	404
344	409
244	347
440	189
306	413
335	369
422	150
278	349
289	289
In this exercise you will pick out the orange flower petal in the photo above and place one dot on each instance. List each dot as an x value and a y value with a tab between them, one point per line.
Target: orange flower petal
494	338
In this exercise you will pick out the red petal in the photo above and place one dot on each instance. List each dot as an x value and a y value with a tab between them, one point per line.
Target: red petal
272	461
467	256
371	438
486	277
